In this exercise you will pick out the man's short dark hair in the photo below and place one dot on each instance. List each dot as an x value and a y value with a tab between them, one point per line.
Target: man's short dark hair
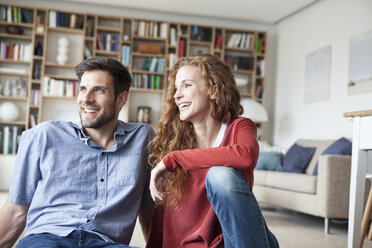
121	78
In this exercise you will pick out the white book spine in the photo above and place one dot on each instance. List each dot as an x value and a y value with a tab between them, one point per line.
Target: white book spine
6	140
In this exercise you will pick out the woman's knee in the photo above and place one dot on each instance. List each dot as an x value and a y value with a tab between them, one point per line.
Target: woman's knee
222	179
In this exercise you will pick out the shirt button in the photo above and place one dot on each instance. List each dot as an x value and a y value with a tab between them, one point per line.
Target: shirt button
102	180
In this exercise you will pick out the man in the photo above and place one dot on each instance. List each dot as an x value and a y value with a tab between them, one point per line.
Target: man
82	184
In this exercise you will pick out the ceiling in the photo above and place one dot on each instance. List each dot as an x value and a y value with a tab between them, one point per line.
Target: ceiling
260	11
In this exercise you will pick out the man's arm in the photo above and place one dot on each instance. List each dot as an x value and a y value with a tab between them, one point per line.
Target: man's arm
145	217
12	223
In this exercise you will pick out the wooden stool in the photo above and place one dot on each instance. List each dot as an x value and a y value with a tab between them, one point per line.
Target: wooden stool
366	218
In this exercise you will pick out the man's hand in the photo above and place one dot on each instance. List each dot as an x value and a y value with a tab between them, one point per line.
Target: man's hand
158	182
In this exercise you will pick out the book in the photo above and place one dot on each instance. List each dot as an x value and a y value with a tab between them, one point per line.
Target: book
6	139
182	49
14	138
25	16
100	42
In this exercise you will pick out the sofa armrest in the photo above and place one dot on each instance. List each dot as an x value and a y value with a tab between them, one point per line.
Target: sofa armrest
334	184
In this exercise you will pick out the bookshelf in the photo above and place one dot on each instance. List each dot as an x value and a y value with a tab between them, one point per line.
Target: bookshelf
148	48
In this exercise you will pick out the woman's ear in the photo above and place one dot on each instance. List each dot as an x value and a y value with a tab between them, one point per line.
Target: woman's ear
213	96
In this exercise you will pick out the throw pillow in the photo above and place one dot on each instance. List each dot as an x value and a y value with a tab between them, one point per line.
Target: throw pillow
270	161
297	158
341	146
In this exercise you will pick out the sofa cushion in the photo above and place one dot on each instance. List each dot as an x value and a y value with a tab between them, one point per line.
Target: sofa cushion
260	177
270	161
297	158
290	181
341	146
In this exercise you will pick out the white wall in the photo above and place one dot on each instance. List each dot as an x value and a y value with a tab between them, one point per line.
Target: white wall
329	22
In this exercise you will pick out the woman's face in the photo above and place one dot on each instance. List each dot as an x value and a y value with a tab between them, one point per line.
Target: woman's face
191	94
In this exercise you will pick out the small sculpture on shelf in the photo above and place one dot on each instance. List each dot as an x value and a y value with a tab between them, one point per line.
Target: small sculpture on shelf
63	44
8	111
144	114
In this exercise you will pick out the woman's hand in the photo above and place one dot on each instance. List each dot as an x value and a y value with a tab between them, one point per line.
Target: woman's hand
158	181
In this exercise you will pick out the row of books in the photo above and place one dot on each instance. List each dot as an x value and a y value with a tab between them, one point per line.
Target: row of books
15	14
108	42
172	59
182	50
258	92
33	120
240	62
58	87
260	68
240	40
218	42
200	34
125	55
154	64
9	139
173	36
147	81
67	20
35	97
151	29
261	46
16	51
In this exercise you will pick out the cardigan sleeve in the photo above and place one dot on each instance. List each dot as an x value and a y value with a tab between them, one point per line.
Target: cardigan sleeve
239	149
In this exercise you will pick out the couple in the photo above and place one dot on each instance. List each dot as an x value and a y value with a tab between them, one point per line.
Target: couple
83	184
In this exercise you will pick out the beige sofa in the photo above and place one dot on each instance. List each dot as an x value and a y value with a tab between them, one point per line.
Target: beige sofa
325	195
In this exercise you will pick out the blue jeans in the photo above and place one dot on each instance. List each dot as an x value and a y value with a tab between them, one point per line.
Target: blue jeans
237	209
77	238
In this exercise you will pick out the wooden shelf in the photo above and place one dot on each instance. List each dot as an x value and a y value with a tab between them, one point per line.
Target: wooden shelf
108	29
148	38
15	61
36	57
14	74
148	55
147	72
16	36
18	123
35	81
60	97
13	98
67	30
25	25
114	53
53	64
200	43
239	49
133	89
88	38
61	77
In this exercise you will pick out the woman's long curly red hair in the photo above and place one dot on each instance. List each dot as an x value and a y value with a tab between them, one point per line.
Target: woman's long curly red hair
174	134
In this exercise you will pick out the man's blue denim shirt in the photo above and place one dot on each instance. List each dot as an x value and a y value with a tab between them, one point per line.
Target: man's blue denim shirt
72	183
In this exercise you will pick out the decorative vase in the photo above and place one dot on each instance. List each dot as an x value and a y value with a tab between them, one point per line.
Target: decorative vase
8	111
63	44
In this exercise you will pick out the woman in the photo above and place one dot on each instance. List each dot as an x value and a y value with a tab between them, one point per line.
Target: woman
204	156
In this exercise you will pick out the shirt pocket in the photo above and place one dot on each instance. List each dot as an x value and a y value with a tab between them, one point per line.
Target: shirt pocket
129	170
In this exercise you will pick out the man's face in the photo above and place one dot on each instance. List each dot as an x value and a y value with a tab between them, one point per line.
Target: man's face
96	100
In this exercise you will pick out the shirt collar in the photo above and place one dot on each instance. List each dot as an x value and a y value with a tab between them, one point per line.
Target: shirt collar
121	129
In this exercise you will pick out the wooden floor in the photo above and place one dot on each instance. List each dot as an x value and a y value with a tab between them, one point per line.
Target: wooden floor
295	230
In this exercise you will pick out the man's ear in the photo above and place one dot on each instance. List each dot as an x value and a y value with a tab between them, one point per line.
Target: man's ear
213	96
121	99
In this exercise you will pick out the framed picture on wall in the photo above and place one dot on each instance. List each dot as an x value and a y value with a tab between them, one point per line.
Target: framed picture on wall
317	75
360	64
